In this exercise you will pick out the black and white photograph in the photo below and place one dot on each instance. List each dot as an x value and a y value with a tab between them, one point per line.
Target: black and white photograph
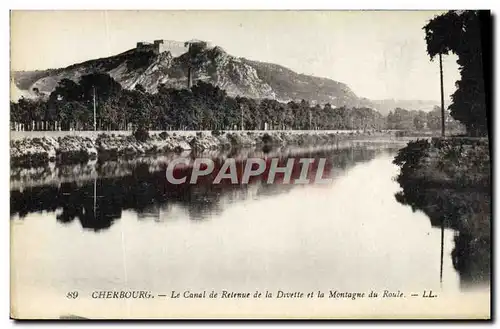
250	164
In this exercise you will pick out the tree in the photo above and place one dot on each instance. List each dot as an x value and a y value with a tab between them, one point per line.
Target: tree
74	115
30	113
211	104
459	32
434	118
102	84
400	119
66	90
138	107
420	120
249	108
110	114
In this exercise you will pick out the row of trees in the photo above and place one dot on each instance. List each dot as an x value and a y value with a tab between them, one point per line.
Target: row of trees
402	119
204	107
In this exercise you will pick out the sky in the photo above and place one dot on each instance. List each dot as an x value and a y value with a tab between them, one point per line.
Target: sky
378	54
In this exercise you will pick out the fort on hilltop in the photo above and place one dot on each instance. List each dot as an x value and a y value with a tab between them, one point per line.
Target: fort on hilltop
176	48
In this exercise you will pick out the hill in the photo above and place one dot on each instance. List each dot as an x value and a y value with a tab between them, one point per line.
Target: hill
238	76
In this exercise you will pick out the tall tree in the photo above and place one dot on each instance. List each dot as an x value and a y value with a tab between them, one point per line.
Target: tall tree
459	32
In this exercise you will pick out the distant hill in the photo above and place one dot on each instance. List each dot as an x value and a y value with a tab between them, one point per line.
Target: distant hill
384	106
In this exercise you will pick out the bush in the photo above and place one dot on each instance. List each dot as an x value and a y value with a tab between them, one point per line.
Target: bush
163	135
233	139
141	134
267	139
216	133
411	155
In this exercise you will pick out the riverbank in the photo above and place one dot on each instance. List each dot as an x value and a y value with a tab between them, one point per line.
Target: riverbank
434	173
75	148
450	181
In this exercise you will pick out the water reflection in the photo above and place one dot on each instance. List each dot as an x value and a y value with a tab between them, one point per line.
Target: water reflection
350	234
97	194
466	210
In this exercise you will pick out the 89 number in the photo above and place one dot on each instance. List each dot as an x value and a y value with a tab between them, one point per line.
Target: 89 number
72	295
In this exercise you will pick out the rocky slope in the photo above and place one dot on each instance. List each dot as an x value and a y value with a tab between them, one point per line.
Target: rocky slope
238	76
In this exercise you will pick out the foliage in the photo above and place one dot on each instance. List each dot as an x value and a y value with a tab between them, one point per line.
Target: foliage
141	134
459	32
411	155
405	120
217	133
267	139
467	161
400	119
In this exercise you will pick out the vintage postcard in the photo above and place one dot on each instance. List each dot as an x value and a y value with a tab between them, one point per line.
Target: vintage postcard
250	164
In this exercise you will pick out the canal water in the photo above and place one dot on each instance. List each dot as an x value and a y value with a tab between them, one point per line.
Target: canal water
91	227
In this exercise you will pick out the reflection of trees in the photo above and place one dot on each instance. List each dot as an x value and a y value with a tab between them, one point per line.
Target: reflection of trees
98	203
471	258
467	212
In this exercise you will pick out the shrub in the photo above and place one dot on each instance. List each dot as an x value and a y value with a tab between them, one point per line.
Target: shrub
233	139
267	139
141	134
411	155
216	133
163	135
